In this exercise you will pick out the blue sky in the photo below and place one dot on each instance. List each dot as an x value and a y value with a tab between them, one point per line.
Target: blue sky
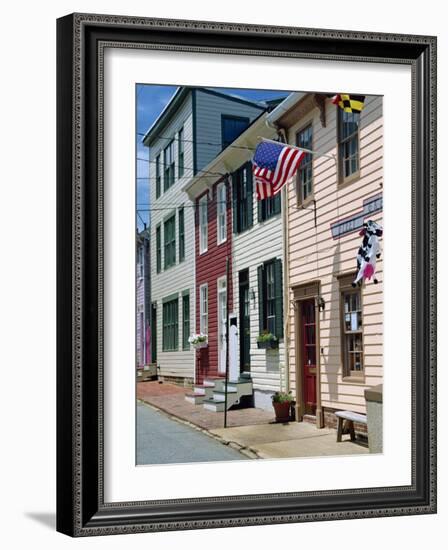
151	100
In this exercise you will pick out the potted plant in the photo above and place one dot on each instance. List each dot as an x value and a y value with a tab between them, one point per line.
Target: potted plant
281	402
266	340
198	341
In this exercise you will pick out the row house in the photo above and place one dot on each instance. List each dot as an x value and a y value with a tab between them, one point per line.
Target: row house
143	299
232	226
195	126
335	329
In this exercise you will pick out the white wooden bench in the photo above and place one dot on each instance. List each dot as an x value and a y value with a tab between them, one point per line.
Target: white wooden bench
345	423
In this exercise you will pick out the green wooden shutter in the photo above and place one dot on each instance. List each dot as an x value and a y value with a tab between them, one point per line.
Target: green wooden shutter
235	181
261	299
260	209
250	196
176	324
158	249
278	285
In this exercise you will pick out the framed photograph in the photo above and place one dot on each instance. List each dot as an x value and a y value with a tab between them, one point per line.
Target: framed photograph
246	274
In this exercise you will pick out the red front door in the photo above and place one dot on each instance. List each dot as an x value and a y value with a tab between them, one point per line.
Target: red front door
308	323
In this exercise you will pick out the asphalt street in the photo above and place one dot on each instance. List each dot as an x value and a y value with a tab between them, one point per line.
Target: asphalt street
161	440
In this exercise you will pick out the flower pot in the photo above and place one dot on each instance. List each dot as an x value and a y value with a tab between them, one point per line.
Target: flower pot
282	411
200	345
268	344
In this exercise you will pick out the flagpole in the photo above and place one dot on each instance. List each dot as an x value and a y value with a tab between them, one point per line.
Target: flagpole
331	156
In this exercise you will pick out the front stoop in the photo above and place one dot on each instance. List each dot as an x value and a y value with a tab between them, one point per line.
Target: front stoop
195	398
213	392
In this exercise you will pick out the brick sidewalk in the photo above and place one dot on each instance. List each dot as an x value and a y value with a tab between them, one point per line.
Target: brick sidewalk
171	399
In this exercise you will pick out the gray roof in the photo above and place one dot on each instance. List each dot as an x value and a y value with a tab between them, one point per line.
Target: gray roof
176	101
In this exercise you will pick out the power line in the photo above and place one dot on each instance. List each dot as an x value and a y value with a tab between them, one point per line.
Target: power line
172	207
213	144
187	168
141	219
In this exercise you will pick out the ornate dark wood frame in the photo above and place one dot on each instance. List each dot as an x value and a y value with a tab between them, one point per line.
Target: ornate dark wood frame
81	39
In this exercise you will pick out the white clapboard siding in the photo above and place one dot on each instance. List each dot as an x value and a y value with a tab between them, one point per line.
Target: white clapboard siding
180	277
315	255
209	108
261	243
203	111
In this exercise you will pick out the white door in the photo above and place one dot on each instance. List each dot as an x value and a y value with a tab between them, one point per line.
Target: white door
222	322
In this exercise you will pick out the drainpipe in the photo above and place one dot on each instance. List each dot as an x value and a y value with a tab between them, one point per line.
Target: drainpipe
281	132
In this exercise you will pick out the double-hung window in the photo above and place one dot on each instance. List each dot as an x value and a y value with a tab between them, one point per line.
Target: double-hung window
170	325
304	139
140	260
352	335
221	199
270	297
348	145
169	240
158	178
203	224
267	208
180	152
242	198
169	165
203	305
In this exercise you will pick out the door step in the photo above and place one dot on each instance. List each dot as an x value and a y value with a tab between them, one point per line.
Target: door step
220	395
200	389
310	418
213	405
211	393
195	398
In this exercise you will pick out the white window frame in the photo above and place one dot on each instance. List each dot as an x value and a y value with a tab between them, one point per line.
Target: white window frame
203	224
221	218
140	260
203	308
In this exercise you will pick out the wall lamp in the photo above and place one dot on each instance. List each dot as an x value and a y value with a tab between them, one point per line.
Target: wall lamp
320	303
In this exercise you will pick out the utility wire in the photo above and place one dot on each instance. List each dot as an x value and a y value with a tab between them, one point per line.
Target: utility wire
188	168
141	219
171	207
211	143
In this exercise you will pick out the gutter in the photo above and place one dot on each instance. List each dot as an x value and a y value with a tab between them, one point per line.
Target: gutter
209	180
283	107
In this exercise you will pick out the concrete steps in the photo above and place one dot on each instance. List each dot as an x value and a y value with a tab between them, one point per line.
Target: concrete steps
195	398
212	393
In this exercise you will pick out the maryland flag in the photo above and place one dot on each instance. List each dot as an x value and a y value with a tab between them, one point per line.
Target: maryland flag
349	103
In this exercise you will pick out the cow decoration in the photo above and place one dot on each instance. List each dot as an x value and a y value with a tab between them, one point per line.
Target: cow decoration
368	252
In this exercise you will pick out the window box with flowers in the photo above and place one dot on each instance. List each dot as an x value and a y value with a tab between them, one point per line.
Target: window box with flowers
198	341
267	340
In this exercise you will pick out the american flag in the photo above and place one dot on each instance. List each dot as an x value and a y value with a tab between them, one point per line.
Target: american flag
273	165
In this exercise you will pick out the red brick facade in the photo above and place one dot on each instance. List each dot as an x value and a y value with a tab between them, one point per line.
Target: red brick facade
210	267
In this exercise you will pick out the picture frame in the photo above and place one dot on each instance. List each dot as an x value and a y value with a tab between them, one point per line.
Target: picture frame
81	508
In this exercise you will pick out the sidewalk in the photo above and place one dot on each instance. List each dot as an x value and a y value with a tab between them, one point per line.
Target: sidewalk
291	440
171	399
251	431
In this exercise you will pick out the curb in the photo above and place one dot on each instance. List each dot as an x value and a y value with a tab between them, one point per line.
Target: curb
249	452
